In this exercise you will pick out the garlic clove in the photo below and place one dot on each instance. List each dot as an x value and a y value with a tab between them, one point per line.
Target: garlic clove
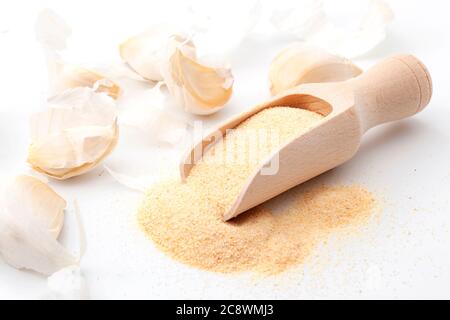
164	54
75	134
144	52
300	63
30	220
36	198
199	88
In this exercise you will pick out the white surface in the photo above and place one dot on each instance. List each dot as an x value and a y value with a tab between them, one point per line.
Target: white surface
406	164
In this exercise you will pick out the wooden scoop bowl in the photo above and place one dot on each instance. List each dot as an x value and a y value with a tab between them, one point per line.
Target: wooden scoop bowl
396	88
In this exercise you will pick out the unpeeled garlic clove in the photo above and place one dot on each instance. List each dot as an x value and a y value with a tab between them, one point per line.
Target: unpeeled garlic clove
144	52
199	88
75	134
300	63
164	54
31	217
30	194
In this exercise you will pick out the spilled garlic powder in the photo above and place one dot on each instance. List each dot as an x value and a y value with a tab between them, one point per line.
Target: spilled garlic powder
185	220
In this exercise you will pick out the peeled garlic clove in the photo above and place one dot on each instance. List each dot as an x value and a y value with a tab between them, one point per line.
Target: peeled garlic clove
30	220
144	52
199	88
75	134
300	63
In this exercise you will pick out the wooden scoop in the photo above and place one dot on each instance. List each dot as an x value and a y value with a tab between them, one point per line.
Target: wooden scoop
396	88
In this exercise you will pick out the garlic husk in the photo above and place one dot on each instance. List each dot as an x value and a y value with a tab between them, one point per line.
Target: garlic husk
30	220
212	32
150	128
300	63
361	27
70	76
147	111
52	32
198	88
136	183
67	284
78	130
139	175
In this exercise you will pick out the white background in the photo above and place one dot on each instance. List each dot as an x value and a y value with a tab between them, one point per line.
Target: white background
406	164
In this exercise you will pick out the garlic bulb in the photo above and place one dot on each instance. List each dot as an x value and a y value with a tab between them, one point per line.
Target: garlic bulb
198	88
52	32
31	218
76	133
300	63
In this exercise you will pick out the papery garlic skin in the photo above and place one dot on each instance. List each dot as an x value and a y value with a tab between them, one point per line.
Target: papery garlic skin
218	28
312	21
52	33
148	112
198	88
300	63
67	284
75	134
145	118
30	220
69	77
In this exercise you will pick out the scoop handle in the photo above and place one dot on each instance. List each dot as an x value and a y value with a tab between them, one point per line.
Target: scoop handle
397	87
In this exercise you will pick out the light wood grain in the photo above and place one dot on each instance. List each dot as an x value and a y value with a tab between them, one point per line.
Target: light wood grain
397	87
